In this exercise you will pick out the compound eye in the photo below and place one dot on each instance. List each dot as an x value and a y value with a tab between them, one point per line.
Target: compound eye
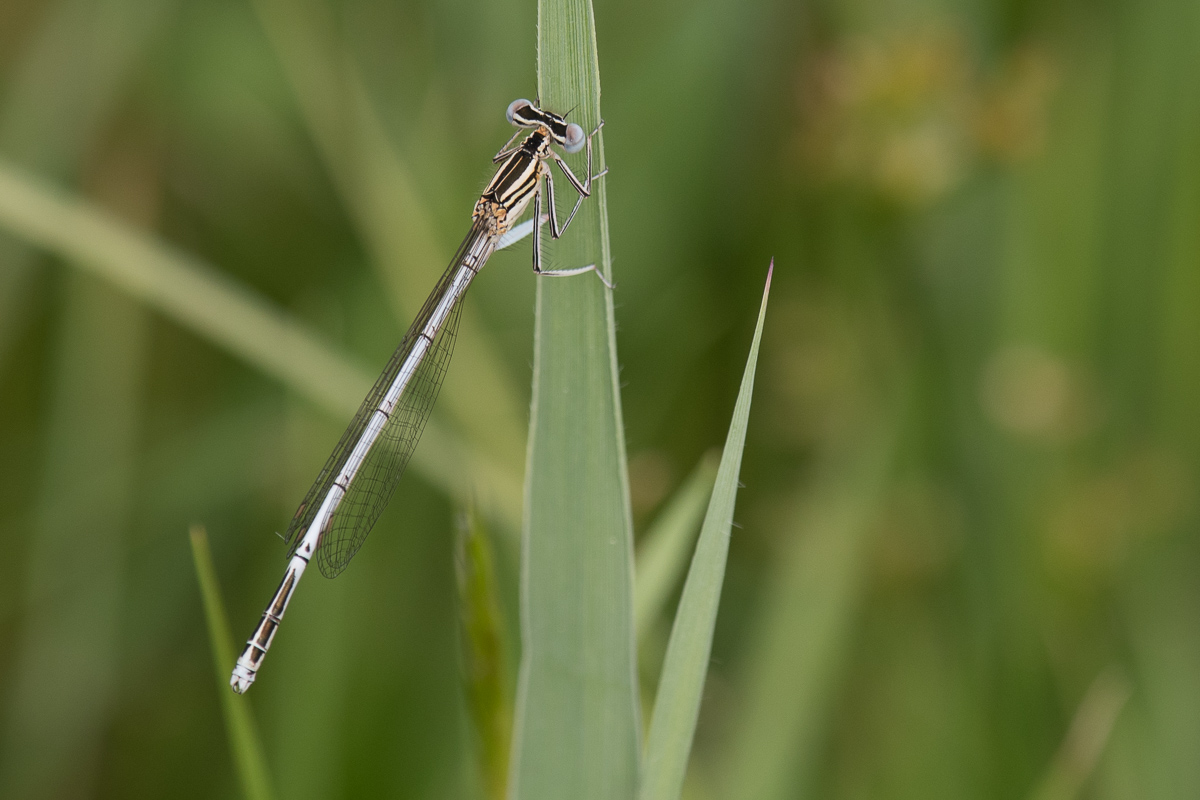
515	108
574	140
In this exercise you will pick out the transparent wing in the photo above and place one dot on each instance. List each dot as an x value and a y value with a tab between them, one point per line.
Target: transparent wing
376	479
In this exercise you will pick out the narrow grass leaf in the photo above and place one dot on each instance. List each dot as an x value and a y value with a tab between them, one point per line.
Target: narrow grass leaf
663	554
577	724
485	660
231	316
677	705
244	744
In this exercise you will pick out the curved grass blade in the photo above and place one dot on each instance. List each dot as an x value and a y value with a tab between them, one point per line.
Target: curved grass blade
197	297
244	744
677	705
59	97
663	554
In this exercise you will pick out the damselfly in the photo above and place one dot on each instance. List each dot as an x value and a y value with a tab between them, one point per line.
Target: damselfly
360	476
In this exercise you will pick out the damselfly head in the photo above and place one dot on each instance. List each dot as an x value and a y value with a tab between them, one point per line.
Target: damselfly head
574	139
525	114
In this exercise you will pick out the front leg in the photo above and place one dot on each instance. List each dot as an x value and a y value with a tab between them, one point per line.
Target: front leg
583	187
508	148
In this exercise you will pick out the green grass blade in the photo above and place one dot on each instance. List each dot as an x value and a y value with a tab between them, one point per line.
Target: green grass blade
577	725
194	295
244	744
677	705
485	660
663	555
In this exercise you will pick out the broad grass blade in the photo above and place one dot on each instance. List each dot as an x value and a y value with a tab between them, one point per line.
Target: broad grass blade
577	724
244	744
677	704
663	554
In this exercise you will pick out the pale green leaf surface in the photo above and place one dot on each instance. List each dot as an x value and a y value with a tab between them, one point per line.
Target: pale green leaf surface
196	296
677	705
663	554
244	744
577	724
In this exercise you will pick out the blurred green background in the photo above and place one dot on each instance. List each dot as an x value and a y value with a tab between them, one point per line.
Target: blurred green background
967	563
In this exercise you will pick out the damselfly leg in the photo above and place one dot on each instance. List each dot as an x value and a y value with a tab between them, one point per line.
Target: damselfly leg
508	149
584	189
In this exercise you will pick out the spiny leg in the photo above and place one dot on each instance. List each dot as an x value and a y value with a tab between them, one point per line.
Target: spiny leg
552	218
567	273
555	231
508	149
584	191
537	229
584	188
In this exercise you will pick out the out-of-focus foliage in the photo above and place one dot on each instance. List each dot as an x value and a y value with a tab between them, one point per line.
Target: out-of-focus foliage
966	561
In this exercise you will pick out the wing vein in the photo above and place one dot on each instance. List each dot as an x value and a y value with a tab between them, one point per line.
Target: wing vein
373	453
